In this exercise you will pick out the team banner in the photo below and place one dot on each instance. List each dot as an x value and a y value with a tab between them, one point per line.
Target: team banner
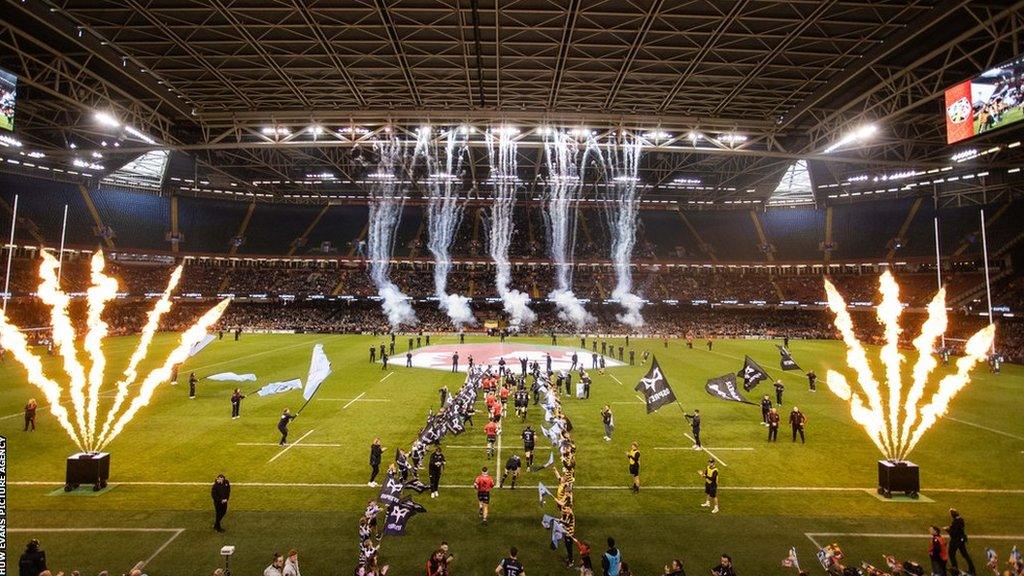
456	424
655	388
319	370
752	374
417	485
786	361
279	387
399	515
391	491
724	387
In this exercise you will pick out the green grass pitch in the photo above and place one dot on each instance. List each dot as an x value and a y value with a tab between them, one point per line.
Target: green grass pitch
310	497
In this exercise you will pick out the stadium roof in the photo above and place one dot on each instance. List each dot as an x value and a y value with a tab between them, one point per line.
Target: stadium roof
727	92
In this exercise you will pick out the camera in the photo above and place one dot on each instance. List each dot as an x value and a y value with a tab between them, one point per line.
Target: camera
226	552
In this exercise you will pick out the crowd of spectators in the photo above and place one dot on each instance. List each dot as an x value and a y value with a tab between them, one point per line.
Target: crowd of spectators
720	302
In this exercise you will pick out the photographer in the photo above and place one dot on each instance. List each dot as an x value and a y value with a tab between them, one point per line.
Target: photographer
33	560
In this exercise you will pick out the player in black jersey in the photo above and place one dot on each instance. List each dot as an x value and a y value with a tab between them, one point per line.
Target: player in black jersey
512	466
529	439
510	566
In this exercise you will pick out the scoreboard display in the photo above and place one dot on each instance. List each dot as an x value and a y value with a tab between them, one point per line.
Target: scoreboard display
989	101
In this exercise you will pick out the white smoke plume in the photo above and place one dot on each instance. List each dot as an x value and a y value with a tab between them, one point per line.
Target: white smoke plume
386	202
444	213
623	161
565	179
502	153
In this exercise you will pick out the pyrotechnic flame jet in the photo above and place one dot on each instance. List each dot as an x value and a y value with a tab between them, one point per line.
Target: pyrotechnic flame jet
12	339
102	291
893	437
162	306
85	402
63	335
161	374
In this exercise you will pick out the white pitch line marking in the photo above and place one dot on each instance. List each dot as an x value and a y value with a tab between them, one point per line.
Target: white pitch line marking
386	377
848	489
709	452
690	448
811	536
353	401
484	447
640	398
497	460
290	446
993	430
349	399
307	445
175	533
164	545
616	379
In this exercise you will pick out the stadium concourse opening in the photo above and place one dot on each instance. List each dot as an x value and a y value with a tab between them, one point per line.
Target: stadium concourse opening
514	287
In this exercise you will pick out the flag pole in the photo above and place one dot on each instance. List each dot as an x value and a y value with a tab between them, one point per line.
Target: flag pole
304	404
938	269
10	254
988	285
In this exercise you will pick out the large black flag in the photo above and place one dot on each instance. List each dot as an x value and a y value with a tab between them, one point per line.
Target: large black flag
417	485
655	388
391	490
752	374
399	515
724	387
786	361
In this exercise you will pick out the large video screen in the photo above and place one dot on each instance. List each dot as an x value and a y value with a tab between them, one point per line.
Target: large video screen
8	99
991	100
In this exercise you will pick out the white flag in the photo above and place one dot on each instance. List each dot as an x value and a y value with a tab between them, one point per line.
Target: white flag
319	370
279	387
198	346
232	377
